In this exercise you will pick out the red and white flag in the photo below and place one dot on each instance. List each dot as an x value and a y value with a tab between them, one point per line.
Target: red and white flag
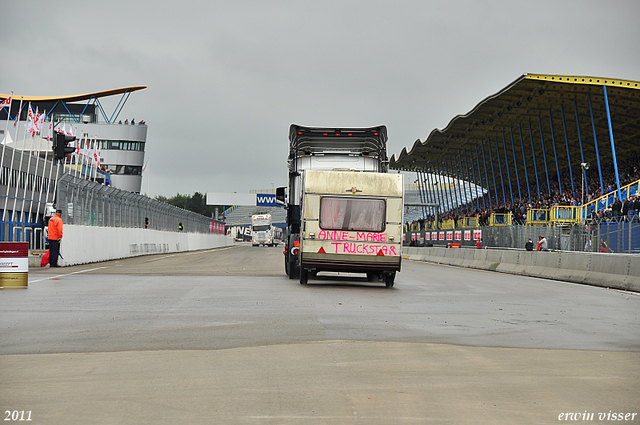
78	143
15	122
50	133
39	120
32	122
95	153
6	102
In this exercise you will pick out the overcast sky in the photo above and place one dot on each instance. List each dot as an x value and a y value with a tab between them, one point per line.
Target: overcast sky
226	78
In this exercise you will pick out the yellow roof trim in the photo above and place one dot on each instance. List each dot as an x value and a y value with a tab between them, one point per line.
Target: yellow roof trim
597	81
76	97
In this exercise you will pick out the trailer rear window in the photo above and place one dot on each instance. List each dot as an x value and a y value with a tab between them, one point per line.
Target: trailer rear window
352	214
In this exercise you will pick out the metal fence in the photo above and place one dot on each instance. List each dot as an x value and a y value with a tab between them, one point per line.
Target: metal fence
602	236
88	203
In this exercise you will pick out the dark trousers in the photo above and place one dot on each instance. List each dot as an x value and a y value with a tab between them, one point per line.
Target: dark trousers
54	252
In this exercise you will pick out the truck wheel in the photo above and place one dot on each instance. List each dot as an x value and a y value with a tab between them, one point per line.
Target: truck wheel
389	279
304	276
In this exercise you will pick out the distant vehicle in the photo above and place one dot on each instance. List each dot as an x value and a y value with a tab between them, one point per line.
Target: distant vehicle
344	211
262	231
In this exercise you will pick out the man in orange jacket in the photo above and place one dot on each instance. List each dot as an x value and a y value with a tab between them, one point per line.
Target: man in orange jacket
55	236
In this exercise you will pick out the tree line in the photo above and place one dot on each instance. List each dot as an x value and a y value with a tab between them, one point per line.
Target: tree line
196	203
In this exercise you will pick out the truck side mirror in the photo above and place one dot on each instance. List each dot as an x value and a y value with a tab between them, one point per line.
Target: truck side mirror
280	196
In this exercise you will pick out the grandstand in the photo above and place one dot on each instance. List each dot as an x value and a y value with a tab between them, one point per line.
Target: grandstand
547	150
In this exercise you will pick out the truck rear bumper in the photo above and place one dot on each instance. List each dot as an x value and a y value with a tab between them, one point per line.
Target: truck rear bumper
350	263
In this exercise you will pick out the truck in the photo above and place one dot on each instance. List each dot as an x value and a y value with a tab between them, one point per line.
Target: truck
262	231
344	210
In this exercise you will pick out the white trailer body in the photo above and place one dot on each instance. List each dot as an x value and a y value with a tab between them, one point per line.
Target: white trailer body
351	222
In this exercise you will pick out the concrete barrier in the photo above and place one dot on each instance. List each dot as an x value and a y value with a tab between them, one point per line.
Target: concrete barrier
89	244
620	271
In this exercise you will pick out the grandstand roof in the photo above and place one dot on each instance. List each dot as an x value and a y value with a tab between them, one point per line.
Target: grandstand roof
549	105
74	97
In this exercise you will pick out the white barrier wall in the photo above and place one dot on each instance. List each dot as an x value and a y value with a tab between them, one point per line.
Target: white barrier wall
88	244
620	271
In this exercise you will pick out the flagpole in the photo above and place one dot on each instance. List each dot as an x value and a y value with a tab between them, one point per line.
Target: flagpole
35	173
4	145
26	183
44	169
24	145
6	130
13	154
95	153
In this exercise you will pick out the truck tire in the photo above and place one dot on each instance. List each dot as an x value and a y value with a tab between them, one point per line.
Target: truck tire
389	279
304	276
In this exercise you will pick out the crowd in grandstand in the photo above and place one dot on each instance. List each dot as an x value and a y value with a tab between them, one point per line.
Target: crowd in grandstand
552	195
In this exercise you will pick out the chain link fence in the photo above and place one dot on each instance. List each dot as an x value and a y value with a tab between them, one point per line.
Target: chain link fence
87	203
598	236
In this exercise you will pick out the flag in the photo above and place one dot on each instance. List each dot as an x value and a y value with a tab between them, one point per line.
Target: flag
95	153
99	155
62	129
39	120
85	151
6	102
50	133
31	128
15	122
78	142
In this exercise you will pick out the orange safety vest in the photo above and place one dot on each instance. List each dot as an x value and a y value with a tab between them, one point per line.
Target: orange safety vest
55	228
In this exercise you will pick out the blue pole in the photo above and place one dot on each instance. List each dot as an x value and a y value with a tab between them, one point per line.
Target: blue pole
460	191
434	194
484	205
555	154
475	182
419	189
524	161
533	153
613	145
456	195
595	141
544	156
504	198
506	161
566	139
584	172
465	198
445	190
466	182
495	186
515	164
439	189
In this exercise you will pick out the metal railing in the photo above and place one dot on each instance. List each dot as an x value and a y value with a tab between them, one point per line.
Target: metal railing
87	203
621	236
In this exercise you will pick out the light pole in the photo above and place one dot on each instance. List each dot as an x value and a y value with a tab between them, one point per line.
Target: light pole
585	167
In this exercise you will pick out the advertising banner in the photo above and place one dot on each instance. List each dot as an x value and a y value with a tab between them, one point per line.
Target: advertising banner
14	264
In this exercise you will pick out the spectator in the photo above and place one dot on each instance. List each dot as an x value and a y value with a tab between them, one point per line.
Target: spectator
529	245
542	243
133	121
604	247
